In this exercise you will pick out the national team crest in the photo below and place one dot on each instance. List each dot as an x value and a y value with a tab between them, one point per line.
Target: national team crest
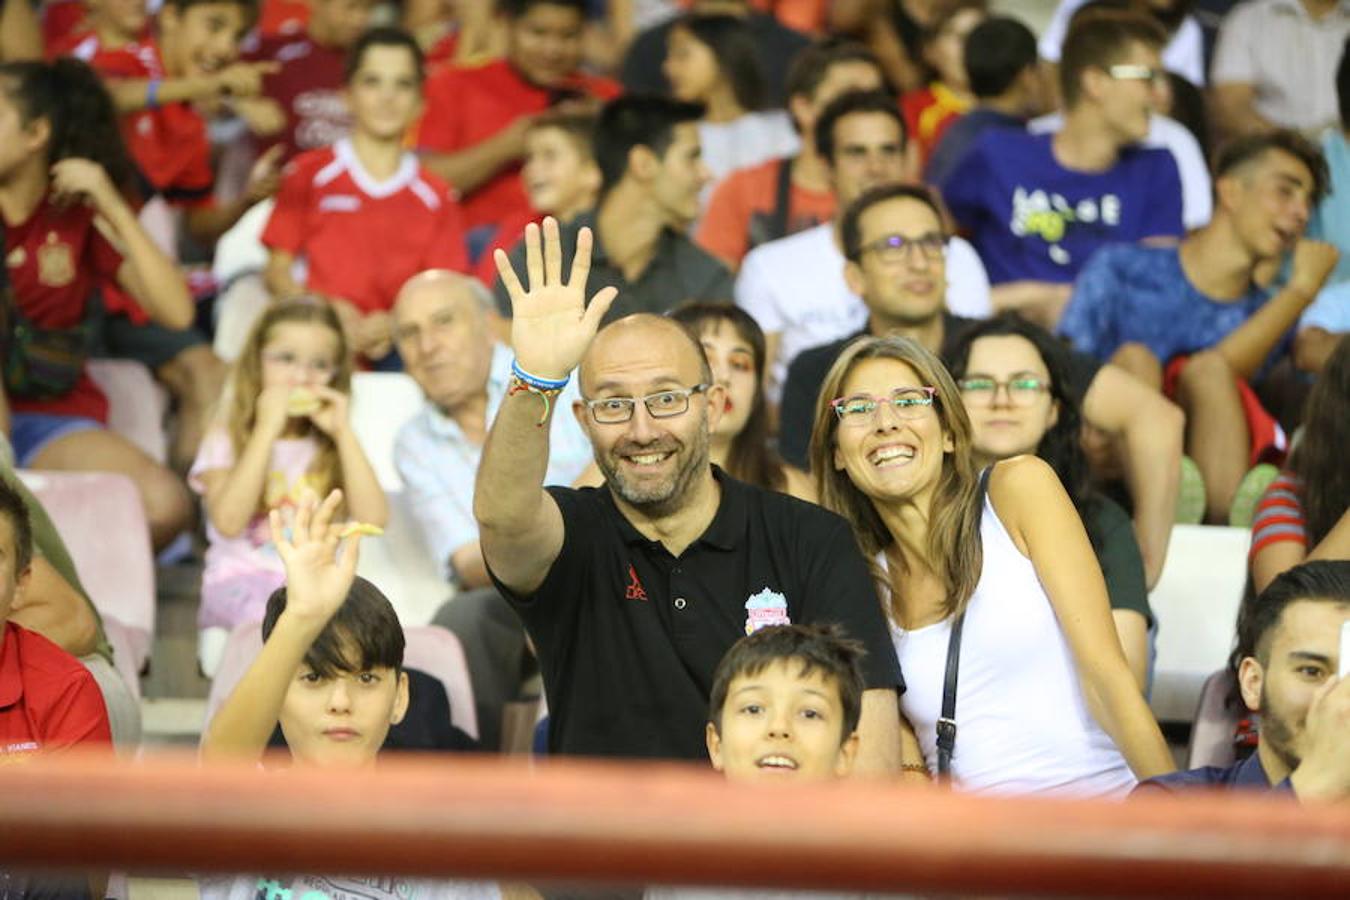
764	609
56	266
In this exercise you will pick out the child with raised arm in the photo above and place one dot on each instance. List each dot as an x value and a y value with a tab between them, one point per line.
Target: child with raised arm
284	429
331	674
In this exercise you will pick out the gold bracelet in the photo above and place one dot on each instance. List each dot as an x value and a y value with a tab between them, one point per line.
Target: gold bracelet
916	767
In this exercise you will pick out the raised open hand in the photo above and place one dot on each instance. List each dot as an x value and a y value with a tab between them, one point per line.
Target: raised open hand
552	325
317	578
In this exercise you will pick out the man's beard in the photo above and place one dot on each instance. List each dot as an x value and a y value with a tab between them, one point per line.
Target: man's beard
662	497
1277	733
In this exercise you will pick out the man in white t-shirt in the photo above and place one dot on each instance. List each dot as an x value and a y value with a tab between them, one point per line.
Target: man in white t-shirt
795	287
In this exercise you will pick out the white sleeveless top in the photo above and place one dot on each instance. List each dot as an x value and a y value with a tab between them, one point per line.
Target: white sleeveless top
1023	725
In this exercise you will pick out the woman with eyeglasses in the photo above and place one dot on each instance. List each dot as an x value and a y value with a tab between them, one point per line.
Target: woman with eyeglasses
1014	380
1044	699
734	344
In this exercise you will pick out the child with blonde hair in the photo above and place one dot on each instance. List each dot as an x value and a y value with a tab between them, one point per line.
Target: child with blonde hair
283	430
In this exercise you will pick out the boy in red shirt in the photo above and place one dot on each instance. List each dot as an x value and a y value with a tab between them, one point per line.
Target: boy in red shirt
363	216
473	132
48	699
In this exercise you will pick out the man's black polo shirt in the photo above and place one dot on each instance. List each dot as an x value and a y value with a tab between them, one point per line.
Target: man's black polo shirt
679	271
807	373
628	636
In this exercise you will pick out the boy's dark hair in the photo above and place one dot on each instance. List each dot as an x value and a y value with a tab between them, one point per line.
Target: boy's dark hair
363	634
579	127
514	9
1324	579
848	104
384	36
850	227
810	67
1099	39
636	120
1245	150
1343	83
13	507
819	648
996	52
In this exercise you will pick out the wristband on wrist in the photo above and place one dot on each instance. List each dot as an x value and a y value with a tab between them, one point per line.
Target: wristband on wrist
152	93
536	381
548	395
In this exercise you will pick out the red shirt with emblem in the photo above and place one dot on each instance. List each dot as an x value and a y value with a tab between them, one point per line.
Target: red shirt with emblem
48	699
309	87
55	261
360	238
467	105
169	144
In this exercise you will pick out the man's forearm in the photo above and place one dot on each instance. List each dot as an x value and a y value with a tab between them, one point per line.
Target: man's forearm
509	487
1247	347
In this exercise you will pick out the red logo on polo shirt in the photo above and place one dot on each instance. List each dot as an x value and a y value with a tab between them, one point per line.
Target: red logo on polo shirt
635	591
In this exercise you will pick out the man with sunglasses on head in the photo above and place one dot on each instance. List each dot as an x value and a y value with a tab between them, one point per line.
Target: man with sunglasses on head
1037	205
633	591
896	255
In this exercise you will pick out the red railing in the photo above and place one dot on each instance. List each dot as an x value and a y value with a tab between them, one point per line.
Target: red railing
641	824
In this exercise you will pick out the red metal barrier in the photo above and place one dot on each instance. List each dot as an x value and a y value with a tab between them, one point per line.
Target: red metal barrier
636	824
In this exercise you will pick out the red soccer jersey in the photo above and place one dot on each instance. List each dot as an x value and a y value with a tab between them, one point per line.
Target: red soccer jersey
467	105
60	19
742	205
169	144
48	699
308	87
55	260
360	239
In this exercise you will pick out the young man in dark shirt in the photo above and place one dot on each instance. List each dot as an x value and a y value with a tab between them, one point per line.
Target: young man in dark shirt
633	592
651	173
1290	645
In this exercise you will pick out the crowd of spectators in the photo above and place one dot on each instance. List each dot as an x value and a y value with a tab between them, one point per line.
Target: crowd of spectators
881	331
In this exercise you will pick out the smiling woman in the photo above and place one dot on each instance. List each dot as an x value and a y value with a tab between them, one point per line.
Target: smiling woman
893	452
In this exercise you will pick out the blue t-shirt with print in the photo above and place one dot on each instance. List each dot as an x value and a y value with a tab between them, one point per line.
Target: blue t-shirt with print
1031	218
1131	293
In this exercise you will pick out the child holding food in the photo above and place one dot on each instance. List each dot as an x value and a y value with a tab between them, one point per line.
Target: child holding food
283	431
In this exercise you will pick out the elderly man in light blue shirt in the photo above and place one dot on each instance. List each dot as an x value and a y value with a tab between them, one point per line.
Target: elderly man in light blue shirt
442	332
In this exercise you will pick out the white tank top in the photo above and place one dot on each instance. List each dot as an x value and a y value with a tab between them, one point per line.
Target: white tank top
1023	725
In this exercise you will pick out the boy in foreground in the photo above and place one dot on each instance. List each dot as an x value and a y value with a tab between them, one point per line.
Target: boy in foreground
785	705
331	673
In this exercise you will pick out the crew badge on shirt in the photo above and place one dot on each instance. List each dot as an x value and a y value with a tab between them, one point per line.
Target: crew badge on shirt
764	609
1050	216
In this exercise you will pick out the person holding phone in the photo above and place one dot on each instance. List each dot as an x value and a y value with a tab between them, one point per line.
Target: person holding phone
1292	643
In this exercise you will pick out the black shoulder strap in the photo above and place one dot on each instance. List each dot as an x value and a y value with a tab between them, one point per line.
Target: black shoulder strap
778	222
946	724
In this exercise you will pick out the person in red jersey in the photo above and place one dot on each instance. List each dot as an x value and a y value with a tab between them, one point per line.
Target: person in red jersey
308	84
48	699
363	216
473	131
68	234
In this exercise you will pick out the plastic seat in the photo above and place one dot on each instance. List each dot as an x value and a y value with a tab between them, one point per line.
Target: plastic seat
381	403
399	564
430	649
102	522
137	405
1196	604
1216	718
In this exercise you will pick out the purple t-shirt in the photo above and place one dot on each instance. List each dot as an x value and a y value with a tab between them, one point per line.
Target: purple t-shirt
1136	294
1031	218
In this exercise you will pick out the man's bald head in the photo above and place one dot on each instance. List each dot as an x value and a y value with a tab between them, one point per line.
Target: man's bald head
643	336
441	284
441	331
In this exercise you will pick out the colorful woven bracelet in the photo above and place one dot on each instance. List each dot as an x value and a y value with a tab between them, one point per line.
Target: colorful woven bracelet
543	384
